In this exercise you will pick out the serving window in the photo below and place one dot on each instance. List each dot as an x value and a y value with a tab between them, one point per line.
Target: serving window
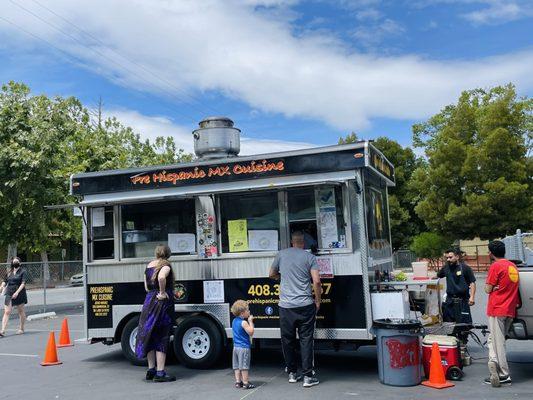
102	238
144	226
250	222
318	212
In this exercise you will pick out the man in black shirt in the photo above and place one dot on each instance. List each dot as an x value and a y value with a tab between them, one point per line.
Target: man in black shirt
460	288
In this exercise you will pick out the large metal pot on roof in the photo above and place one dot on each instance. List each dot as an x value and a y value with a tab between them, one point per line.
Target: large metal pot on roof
216	138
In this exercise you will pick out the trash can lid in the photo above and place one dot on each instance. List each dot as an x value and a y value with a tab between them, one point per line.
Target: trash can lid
397	323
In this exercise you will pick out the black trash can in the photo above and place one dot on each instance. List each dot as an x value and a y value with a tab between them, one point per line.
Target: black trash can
399	351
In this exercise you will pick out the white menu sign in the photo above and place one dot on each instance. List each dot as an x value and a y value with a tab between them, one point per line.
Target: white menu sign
213	291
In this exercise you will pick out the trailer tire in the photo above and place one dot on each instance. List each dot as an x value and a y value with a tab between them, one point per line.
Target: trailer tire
127	341
198	342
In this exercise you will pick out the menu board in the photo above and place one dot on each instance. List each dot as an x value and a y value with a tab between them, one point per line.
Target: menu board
327	218
98	217
182	242
238	235
263	240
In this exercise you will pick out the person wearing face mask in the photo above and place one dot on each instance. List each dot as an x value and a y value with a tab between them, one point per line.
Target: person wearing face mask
14	288
460	288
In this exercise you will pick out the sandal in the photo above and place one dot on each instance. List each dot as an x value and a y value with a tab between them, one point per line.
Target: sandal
2	333
20	332
238	385
248	386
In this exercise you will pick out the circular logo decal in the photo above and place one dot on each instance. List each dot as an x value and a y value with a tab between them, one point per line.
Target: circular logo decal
180	291
264	243
269	310
183	245
513	273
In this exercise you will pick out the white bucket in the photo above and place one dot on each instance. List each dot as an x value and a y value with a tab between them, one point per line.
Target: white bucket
420	269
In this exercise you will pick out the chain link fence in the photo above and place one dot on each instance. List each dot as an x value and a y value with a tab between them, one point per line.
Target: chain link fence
59	273
402	259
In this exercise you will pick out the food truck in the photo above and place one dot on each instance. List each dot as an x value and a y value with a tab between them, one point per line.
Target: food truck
224	218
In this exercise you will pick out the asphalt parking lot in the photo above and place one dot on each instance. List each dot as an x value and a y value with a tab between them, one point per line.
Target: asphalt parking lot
100	372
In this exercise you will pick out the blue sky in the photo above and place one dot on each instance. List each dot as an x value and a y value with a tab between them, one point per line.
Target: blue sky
289	73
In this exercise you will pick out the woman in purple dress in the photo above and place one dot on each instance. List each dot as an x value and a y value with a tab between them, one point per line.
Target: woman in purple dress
157	316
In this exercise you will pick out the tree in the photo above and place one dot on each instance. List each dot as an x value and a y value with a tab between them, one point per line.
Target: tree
404	222
478	179
351	138
42	142
32	129
429	245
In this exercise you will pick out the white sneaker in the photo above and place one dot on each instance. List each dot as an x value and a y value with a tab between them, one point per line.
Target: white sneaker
294	377
494	377
310	381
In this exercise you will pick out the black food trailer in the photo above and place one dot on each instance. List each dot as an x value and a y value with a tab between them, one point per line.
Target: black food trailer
224	217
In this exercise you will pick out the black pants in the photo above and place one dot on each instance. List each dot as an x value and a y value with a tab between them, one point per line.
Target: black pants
456	309
301	320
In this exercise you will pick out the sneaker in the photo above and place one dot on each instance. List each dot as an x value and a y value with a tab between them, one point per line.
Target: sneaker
294	377
494	378
310	381
248	386
164	378
505	380
150	374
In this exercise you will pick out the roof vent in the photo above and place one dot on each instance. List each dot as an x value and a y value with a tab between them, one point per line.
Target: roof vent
216	138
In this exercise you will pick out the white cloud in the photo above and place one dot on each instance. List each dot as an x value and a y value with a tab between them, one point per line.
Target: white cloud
150	127
226	46
490	12
270	3
498	12
370	36
371	14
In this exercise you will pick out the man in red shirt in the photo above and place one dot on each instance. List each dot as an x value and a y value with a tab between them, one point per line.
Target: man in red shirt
502	287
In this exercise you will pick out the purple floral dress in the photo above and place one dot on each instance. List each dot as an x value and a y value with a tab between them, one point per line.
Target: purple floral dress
157	317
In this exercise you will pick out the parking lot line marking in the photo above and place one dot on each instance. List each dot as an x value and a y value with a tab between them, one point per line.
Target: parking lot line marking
259	387
18	355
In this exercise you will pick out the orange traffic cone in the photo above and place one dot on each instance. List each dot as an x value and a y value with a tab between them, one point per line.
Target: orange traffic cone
64	335
50	356
436	372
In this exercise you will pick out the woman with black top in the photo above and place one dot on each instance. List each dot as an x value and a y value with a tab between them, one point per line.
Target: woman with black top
157	316
14	288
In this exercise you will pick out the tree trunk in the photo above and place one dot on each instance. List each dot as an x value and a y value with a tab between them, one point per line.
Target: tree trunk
11	251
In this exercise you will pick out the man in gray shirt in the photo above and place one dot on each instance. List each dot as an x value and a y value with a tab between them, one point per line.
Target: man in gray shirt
297	309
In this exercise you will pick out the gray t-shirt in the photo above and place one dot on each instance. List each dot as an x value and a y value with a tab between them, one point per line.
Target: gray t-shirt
295	265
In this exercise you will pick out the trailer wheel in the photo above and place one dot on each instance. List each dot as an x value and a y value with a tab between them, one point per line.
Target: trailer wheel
128	339
455	374
197	342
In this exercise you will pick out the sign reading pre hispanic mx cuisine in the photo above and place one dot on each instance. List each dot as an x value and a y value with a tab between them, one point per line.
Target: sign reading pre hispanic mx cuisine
220	171
99	305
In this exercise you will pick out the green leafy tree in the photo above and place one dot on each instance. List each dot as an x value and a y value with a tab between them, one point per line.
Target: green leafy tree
44	141
32	130
351	138
429	245
404	222
478	179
